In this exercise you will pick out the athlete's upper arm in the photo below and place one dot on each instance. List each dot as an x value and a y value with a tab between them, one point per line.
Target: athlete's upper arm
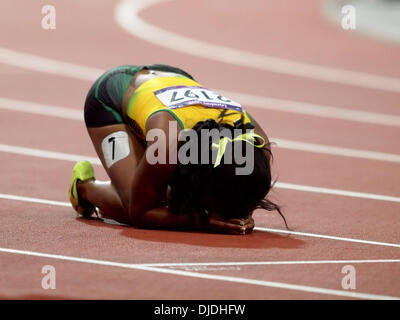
156	168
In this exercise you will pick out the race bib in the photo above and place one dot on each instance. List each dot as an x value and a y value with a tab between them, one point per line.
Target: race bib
182	96
115	147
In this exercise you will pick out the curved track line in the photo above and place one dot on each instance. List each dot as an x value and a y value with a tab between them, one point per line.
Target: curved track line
75	71
67	113
127	16
280	185
271	284
305	234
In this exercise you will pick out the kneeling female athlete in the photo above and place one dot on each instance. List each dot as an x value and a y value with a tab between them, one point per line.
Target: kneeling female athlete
122	107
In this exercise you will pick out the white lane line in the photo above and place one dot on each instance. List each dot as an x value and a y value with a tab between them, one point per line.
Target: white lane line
127	16
252	101
52	66
65	113
303	234
338	192
280	185
323	236
47	154
336	151
41	109
56	67
278	285
271	284
34	200
315	110
267	263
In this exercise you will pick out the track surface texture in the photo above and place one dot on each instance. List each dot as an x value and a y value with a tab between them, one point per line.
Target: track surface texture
328	97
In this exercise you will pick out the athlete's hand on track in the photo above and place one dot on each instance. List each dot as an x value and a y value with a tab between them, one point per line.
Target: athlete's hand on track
218	224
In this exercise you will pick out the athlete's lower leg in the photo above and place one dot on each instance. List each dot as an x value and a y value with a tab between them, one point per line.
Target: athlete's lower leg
103	195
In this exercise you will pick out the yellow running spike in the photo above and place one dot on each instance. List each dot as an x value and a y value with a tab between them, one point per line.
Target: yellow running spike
83	170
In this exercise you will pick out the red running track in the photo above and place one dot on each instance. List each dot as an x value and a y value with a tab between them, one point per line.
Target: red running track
263	265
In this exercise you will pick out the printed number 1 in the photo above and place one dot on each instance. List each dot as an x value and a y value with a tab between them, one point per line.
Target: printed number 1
112	139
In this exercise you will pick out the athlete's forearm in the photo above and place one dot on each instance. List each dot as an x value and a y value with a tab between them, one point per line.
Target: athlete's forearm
148	188
163	218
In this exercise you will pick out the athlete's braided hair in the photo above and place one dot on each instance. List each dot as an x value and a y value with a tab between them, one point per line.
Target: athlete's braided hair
203	188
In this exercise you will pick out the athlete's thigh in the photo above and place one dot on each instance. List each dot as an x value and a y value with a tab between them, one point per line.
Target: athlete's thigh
120	152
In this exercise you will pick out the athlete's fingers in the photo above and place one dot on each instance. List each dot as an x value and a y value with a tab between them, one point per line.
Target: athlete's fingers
242	221
216	223
250	226
225	227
